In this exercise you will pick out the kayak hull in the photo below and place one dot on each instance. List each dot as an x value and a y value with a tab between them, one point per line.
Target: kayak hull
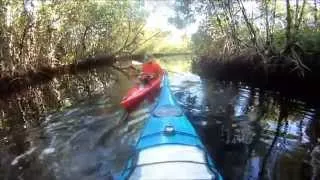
169	146
139	93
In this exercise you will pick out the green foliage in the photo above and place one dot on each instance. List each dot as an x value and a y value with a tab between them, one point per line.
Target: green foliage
184	15
309	40
273	25
161	44
36	33
201	42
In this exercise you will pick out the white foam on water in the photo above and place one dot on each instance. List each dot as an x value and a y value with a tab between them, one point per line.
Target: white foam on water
48	150
17	159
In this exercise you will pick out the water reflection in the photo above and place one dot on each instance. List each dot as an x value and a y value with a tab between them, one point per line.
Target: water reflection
25	125
252	134
74	128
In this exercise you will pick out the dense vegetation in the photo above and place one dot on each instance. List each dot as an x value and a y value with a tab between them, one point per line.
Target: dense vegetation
229	27
36	33
43	39
42	42
51	33
273	30
271	44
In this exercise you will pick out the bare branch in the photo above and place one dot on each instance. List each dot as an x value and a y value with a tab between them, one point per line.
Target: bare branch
83	39
126	41
151	37
140	28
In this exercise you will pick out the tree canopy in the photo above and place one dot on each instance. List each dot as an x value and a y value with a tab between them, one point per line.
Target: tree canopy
50	33
266	27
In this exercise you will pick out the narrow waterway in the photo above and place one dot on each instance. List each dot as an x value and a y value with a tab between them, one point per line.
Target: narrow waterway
85	134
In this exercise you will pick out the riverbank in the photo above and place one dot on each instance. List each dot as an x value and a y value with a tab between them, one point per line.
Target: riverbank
279	75
20	80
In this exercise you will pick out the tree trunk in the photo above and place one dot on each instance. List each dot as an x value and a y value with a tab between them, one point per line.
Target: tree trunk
273	21
289	24
299	20
315	13
250	27
266	9
296	14
83	41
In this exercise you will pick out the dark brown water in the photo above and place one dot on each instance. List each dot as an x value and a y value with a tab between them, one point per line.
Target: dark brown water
74	128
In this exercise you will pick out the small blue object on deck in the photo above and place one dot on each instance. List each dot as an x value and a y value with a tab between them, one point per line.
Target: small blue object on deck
169	147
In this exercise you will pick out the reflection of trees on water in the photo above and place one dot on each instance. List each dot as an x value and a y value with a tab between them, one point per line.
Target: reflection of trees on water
257	128
269	134
283	115
300	130
287	157
313	131
22	112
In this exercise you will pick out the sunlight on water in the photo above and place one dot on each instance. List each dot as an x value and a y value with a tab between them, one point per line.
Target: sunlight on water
176	63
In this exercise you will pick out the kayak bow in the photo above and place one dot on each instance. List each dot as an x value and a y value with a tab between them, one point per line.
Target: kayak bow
169	147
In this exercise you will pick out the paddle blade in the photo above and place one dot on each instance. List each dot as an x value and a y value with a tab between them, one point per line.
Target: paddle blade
136	62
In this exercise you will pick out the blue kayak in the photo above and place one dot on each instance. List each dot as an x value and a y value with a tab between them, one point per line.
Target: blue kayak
169	147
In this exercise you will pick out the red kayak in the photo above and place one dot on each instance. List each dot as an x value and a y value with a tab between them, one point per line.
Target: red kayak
138	93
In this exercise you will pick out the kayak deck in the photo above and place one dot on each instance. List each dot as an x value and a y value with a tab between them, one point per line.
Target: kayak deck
167	161
169	147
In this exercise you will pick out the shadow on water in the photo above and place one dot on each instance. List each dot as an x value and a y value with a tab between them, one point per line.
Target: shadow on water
73	128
